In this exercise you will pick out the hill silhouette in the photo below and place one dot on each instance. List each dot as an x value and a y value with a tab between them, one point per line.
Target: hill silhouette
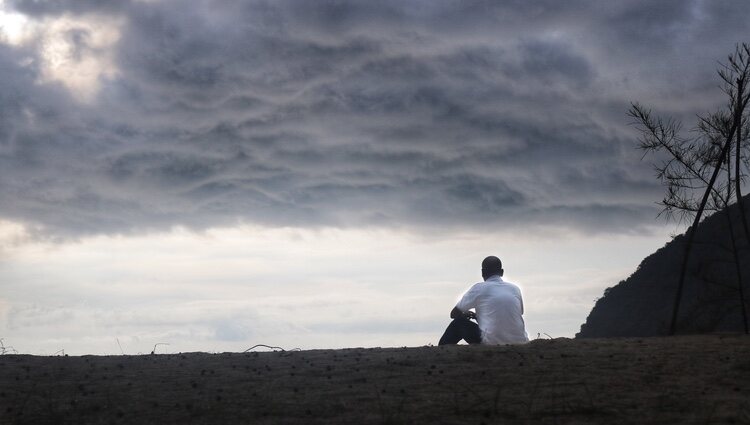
642	304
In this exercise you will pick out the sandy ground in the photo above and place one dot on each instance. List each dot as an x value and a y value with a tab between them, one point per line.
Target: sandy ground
681	380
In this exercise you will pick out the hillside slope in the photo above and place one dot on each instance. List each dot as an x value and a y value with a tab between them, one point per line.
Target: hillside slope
642	304
679	380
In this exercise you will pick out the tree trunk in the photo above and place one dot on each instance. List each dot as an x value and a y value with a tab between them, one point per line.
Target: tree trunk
741	103
738	189
732	238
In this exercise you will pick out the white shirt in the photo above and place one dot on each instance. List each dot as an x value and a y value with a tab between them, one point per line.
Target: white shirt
499	308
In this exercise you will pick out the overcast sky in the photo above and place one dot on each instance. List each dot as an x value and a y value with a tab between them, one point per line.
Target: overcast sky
215	174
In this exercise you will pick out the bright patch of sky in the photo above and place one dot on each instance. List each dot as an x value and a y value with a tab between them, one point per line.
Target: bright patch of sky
228	289
78	52
75	50
12	25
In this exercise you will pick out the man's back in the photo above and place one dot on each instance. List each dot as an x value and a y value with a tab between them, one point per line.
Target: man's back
499	311
499	308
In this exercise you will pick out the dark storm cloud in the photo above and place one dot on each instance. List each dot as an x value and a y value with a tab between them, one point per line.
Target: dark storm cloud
57	7
451	113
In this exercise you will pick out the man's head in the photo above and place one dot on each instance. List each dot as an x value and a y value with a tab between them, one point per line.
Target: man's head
491	266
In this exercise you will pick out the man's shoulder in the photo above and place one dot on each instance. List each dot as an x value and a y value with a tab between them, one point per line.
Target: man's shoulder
511	284
476	287
514	287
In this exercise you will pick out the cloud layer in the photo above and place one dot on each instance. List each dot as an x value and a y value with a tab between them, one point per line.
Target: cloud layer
447	114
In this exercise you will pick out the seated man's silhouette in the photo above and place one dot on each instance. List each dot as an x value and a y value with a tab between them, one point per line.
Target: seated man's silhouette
499	311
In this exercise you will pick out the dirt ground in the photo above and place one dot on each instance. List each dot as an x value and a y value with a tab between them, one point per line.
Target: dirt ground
680	380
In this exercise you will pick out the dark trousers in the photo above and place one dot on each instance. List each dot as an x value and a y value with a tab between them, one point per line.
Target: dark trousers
461	328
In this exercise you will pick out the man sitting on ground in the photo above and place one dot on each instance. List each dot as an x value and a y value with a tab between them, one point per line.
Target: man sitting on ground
499	311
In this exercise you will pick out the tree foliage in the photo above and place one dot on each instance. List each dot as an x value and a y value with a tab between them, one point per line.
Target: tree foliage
705	170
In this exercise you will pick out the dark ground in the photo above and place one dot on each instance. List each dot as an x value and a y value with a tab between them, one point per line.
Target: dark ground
680	380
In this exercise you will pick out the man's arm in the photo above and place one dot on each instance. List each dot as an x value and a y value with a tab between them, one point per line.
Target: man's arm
456	313
467	302
520	298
